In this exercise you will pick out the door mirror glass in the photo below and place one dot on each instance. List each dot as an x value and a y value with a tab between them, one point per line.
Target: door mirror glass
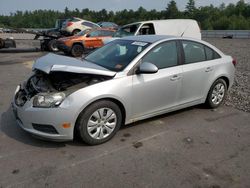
147	68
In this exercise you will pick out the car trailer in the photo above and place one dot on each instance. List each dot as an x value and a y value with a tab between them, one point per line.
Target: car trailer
7	43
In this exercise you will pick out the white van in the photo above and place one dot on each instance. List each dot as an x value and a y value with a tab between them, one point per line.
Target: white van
175	27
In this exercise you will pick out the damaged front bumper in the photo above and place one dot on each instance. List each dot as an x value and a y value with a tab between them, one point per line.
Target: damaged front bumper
63	47
46	123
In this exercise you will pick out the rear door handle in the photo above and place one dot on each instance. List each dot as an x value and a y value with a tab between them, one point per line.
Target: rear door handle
209	69
175	77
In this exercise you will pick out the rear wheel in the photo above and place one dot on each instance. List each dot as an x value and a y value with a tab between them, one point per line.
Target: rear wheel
77	50
217	93
75	31
99	122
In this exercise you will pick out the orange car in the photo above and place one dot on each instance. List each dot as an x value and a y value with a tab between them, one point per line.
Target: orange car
84	41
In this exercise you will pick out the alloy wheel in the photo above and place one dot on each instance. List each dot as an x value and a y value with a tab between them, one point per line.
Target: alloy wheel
218	93
101	123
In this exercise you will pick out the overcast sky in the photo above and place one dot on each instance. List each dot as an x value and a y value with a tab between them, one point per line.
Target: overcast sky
7	6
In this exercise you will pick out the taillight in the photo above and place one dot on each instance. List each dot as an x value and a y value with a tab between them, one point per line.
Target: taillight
234	62
69	24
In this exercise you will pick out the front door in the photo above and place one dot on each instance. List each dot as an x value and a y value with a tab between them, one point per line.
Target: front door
153	93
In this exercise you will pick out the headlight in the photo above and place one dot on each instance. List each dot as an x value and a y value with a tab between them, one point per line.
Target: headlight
48	100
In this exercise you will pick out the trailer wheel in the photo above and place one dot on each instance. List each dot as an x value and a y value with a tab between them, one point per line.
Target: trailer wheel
52	46
1	43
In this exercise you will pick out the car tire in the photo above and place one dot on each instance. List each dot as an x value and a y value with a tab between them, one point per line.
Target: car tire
217	93
1	43
75	31
77	50
52	46
99	122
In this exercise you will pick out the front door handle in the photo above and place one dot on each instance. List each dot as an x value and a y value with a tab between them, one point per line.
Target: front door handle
175	77
209	69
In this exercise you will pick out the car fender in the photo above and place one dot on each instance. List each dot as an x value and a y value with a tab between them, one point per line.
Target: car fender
80	99
216	78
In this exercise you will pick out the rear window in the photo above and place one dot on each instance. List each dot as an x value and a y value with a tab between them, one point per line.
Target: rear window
211	54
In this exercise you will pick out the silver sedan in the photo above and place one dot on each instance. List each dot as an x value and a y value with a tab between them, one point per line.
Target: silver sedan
127	80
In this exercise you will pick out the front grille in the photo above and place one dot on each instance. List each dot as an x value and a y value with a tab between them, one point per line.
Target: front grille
45	128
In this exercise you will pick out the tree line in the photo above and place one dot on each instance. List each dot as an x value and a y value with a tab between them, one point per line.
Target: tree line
233	16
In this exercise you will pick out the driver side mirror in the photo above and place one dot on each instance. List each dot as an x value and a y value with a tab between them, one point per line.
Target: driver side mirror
88	35
147	68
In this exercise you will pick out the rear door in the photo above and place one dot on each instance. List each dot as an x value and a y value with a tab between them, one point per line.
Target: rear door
198	70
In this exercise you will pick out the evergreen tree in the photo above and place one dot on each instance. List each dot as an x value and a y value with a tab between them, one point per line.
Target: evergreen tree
172	10
190	8
232	16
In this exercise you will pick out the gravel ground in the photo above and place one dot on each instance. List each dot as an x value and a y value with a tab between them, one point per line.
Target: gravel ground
239	95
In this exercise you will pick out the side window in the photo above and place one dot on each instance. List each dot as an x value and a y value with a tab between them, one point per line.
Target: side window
147	29
95	33
193	52
107	33
107	24
164	55
211	54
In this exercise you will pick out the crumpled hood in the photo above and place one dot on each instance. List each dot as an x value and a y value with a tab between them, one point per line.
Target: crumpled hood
52	62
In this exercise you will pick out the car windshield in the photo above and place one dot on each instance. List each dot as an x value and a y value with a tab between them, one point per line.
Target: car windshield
126	30
117	55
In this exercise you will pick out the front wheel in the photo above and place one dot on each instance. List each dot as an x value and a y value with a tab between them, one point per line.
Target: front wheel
77	50
52	46
217	93
99	122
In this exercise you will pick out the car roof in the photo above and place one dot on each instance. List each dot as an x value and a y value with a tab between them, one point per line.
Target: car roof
149	38
157	38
